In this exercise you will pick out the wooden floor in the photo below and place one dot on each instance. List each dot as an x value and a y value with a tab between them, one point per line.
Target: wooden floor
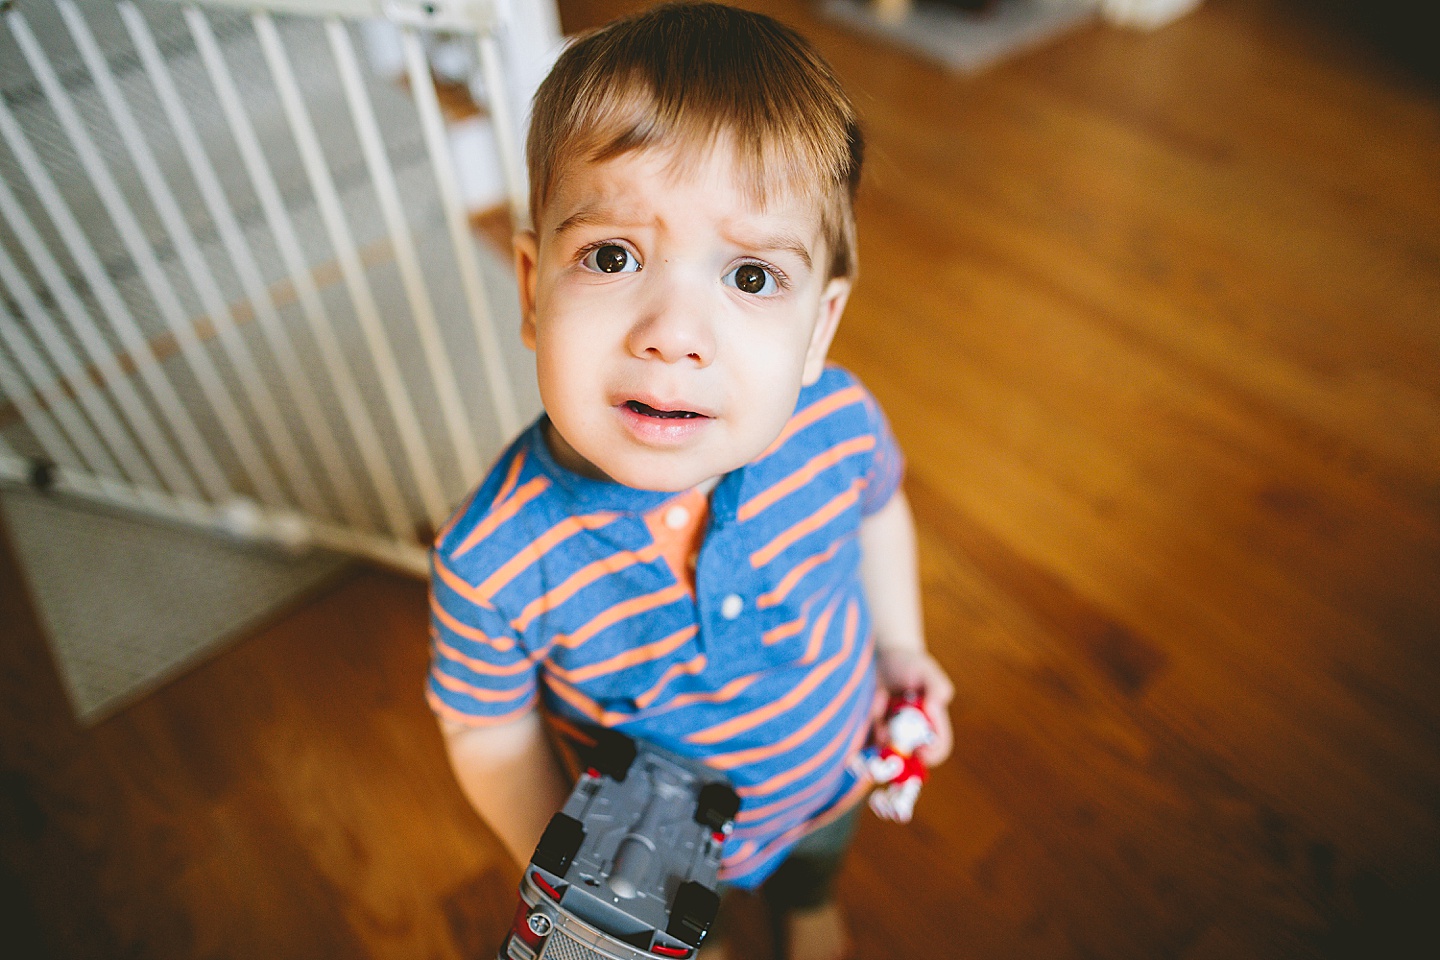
1157	319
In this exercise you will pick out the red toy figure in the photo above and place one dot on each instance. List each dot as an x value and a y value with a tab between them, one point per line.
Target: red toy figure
897	772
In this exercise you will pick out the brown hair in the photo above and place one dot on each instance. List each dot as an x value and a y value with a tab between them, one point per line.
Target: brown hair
692	74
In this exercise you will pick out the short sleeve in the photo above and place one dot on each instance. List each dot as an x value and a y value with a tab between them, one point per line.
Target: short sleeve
887	465
480	672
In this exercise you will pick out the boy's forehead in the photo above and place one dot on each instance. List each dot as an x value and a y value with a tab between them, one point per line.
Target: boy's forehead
632	188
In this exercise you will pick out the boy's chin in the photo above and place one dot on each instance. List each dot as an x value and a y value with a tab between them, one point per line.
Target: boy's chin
662	480
662	473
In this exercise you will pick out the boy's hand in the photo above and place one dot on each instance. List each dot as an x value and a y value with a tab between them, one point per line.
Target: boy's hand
915	670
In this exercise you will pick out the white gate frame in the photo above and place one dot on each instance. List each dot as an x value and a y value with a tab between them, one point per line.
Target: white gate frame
134	445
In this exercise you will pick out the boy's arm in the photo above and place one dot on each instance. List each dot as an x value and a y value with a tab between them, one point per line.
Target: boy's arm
889	570
511	776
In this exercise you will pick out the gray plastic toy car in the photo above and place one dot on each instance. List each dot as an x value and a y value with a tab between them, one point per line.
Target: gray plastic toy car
628	869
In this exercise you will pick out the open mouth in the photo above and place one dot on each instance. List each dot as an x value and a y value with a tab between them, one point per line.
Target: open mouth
645	410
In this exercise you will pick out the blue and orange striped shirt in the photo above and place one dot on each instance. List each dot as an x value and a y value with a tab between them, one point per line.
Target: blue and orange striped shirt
551	586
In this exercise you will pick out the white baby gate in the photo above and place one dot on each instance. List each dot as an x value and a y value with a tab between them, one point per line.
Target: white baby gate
240	289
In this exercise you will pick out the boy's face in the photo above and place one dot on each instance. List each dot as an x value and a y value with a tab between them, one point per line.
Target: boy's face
673	319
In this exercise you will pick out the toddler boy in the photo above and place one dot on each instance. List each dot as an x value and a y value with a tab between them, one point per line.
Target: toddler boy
701	542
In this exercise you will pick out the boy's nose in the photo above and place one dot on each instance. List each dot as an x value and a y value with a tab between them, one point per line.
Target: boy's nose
673	330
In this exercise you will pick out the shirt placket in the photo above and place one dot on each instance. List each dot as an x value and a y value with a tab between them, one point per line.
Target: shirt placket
727	589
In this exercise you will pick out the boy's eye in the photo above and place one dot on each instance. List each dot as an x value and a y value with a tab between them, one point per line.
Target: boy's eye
611	258
753	279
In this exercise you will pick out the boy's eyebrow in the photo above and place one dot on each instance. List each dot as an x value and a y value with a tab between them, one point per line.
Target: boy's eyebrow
584	217
786	242
783	240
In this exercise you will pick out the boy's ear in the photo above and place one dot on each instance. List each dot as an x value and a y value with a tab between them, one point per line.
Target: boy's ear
527	269
832	304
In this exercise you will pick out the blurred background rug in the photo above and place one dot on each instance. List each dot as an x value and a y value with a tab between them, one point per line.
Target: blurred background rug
963	40
127	604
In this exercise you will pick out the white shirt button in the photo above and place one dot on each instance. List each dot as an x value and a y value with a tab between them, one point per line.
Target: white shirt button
731	606
677	517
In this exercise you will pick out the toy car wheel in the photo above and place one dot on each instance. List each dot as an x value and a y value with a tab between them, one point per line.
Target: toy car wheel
559	844
692	913
716	806
612	754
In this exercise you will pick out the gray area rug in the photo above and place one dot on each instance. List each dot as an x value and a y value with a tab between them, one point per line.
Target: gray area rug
128	604
968	42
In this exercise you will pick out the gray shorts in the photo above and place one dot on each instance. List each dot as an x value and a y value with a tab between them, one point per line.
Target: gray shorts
806	880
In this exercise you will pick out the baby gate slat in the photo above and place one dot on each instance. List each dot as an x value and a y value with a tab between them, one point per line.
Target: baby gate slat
242	259
199	456
304	400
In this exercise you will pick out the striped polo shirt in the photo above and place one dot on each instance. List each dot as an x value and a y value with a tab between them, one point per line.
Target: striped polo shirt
551	587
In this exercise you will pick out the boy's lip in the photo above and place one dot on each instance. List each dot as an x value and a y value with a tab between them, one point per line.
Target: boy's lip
656	408
642	418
